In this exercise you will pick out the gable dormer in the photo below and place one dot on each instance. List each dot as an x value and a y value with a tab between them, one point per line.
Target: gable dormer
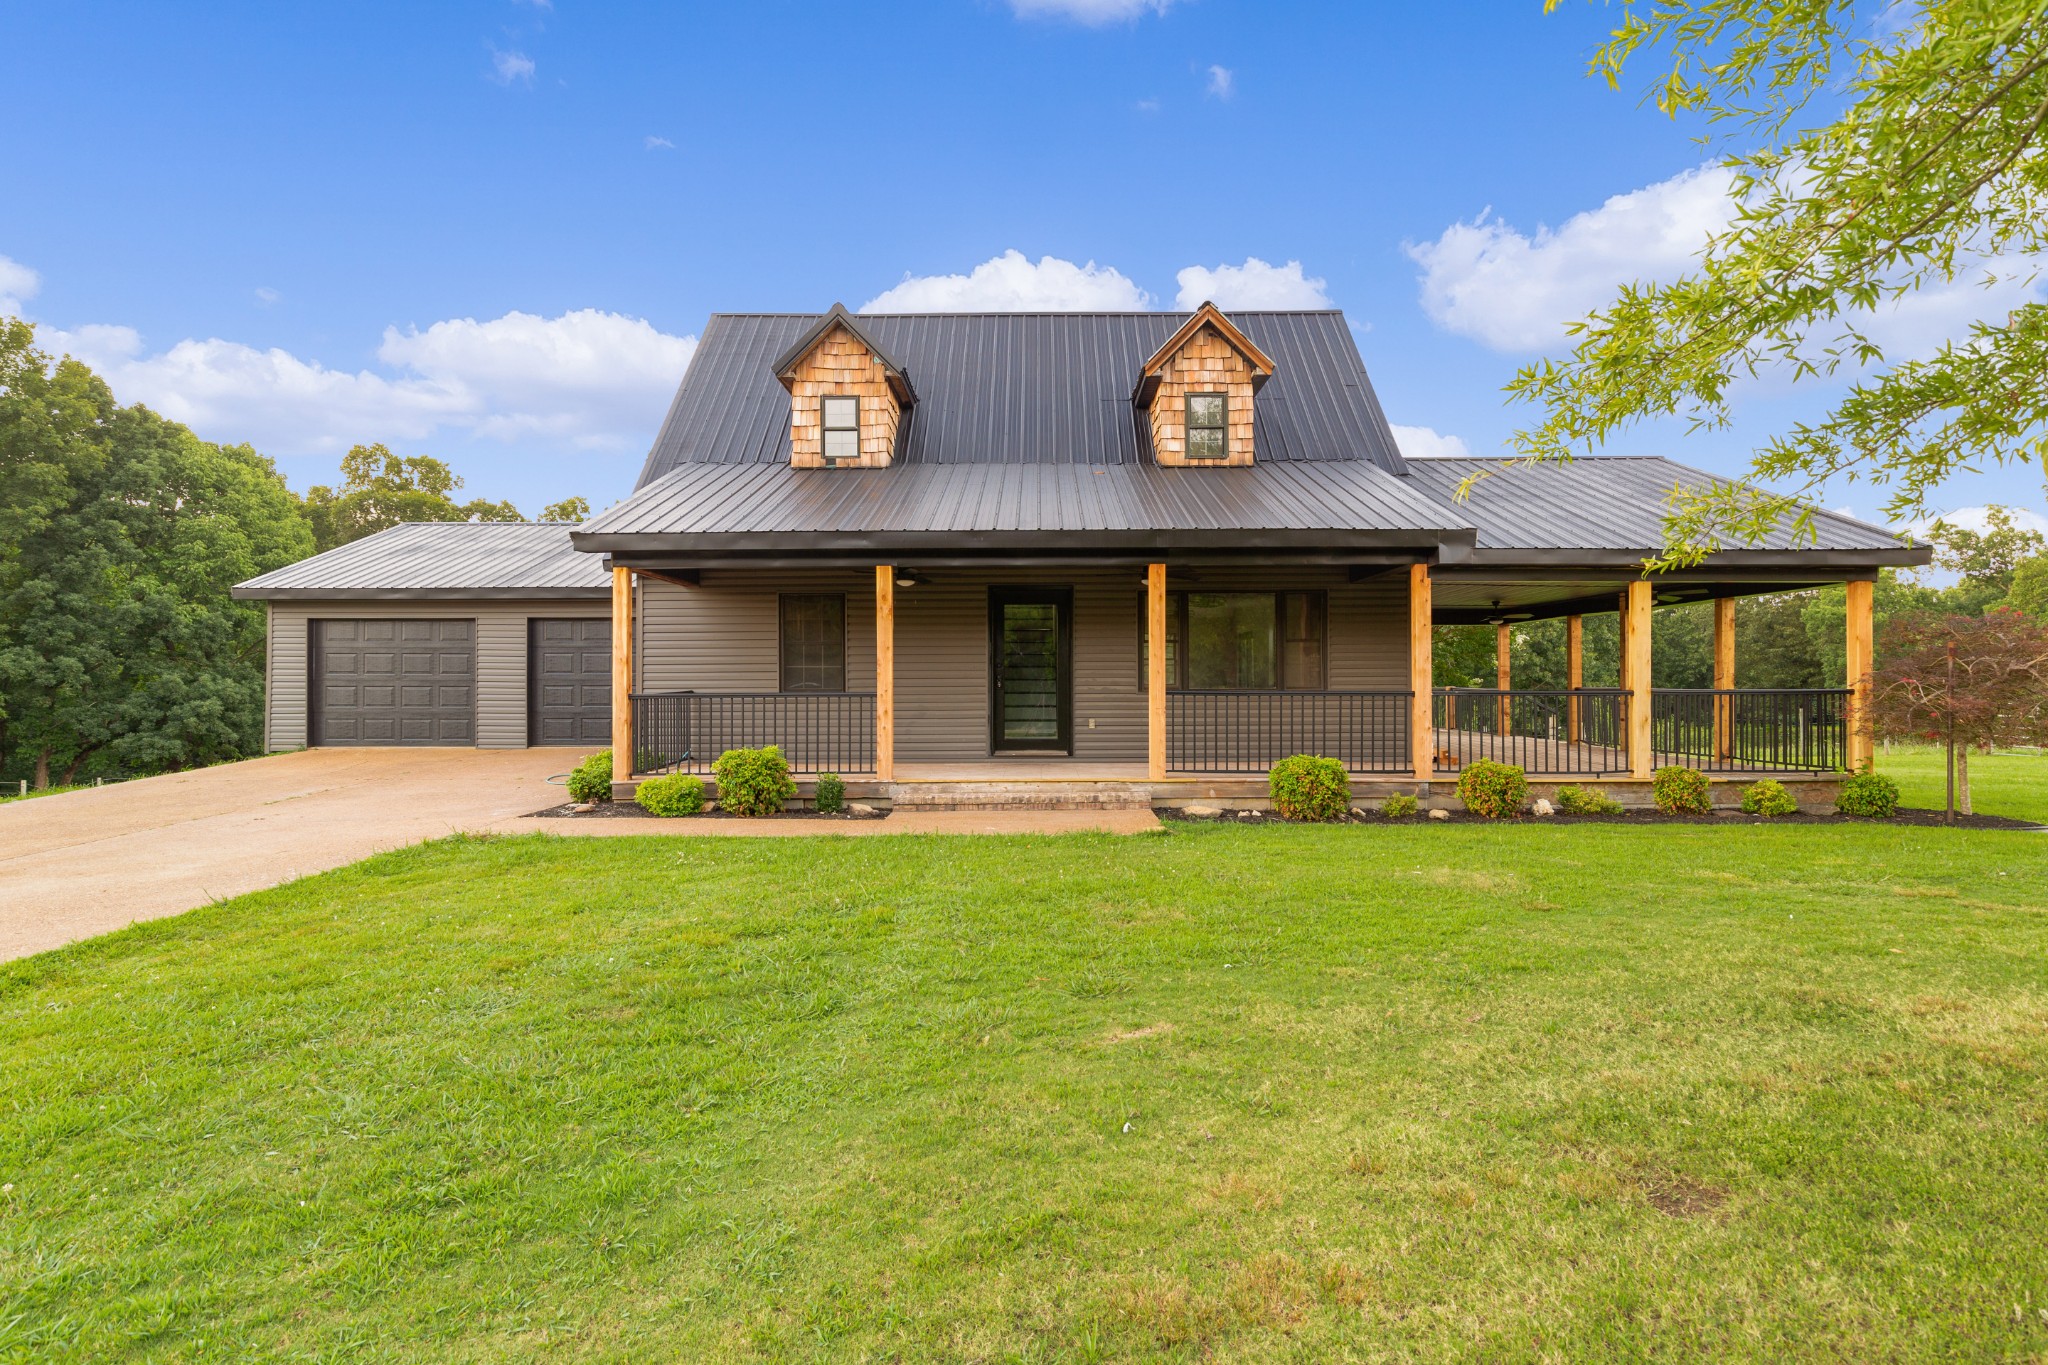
1198	390
846	396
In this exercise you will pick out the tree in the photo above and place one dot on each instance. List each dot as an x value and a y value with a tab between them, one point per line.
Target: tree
2030	588
1925	169
1965	682
568	509
380	490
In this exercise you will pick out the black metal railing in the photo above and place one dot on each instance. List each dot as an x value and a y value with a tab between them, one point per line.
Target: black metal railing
1561	731
1751	729
818	732
1248	731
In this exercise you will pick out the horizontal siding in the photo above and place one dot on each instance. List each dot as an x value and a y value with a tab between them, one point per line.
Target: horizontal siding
501	634
721	636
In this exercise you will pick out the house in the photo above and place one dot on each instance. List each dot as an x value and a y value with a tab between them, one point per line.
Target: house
1137	554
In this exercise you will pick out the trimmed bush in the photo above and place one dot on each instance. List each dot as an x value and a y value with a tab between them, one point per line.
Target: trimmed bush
1871	795
753	781
675	794
831	793
1399	806
591	780
1493	791
1573	799
1305	787
1768	797
1681	791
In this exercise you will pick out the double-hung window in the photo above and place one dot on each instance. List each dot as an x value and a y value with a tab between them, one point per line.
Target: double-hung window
842	429
1243	641
813	642
1208	415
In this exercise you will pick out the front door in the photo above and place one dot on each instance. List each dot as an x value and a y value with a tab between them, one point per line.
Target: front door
1030	642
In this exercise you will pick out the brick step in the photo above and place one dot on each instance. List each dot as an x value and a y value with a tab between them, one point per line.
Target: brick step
1021	796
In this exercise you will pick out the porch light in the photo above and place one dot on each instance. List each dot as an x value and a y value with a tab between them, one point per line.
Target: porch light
908	578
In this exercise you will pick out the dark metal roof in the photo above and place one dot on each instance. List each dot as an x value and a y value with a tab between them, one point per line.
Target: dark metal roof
443	559
1023	389
786	363
1611	508
1327	505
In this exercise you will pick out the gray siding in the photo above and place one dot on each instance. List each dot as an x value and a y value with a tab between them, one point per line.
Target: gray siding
721	637
500	659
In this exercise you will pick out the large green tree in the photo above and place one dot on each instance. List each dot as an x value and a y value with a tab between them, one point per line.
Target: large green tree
120	537
380	490
1879	149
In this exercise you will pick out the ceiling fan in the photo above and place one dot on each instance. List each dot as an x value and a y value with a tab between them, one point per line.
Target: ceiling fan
1501	618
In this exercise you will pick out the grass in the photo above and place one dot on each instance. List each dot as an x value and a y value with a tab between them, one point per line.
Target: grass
12	791
2012	783
1530	1093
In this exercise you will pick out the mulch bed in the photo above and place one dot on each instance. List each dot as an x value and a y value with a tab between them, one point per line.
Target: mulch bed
626	810
1905	816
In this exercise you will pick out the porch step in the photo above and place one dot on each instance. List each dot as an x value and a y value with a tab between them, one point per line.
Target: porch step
1038	795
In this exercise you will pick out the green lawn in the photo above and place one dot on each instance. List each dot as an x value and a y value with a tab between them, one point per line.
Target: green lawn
1532	1093
2014	784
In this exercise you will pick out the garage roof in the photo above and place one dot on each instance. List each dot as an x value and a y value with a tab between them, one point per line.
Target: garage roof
442	559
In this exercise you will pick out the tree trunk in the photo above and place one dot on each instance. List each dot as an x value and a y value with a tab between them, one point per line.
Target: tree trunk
1963	780
43	770
71	772
1951	807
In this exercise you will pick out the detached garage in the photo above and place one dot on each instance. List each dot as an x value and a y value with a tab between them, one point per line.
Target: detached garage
489	634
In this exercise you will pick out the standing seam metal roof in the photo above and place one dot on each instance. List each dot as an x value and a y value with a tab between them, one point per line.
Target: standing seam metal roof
426	557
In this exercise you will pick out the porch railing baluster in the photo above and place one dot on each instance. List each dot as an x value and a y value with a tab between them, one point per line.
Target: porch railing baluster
685	732
1248	730
1791	729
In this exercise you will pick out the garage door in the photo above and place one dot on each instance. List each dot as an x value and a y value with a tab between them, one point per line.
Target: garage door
569	684
394	682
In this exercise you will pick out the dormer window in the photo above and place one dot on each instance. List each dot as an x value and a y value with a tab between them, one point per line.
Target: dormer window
842	429
1208	426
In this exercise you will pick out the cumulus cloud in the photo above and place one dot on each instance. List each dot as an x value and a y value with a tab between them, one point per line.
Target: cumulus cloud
18	284
1255	284
1421	443
1515	291
1091	12
1222	81
1013	283
512	67
1978	519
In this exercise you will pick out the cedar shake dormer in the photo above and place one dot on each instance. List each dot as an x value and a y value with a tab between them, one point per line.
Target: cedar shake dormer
1198	389
846	396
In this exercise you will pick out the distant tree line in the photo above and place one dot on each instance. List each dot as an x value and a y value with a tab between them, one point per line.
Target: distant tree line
121	533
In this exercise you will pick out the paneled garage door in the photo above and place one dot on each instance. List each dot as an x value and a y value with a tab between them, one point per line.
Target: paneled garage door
569	685
394	682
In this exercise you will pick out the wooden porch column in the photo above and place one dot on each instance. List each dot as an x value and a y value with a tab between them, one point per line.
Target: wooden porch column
1155	671
1862	600
1574	672
1503	677
885	672
622	674
1421	671
1724	676
1635	654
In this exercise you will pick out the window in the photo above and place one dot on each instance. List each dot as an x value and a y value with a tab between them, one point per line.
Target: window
1206	422
842	429
813	642
1241	641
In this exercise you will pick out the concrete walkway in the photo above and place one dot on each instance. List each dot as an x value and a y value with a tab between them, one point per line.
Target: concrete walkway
89	862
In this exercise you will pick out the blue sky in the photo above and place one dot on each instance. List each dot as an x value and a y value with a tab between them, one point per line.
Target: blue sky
489	230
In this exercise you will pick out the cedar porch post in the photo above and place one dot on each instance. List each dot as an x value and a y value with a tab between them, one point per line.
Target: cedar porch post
1635	635
1862	602
1724	676
1155	672
885	672
622	674
1574	672
1502	678
1421	672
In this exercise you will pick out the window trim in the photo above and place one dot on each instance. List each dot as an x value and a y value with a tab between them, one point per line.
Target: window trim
1177	629
782	642
1188	427
825	428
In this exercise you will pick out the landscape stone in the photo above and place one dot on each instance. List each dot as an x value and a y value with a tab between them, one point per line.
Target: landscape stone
1201	812
1439	814
1543	807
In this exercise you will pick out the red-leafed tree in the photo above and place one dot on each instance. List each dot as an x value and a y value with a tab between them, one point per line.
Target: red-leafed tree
1966	682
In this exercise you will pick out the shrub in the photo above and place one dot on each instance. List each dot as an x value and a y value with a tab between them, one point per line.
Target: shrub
831	793
591	780
1872	795
1576	800
1305	787
1399	806
1681	791
1493	791
753	781
1768	797
676	794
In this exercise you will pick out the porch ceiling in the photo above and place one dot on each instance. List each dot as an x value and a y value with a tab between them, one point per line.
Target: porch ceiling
1458	599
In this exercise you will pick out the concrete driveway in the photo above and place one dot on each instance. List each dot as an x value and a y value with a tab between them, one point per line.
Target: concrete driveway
87	862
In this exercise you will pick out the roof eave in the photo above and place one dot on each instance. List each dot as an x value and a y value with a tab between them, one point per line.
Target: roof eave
249	592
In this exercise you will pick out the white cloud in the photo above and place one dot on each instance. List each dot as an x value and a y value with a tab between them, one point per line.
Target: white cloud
1222	82
1979	519
1255	284
1012	283
659	143
1515	292
1421	443
18	284
266	296
512	67
1089	11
